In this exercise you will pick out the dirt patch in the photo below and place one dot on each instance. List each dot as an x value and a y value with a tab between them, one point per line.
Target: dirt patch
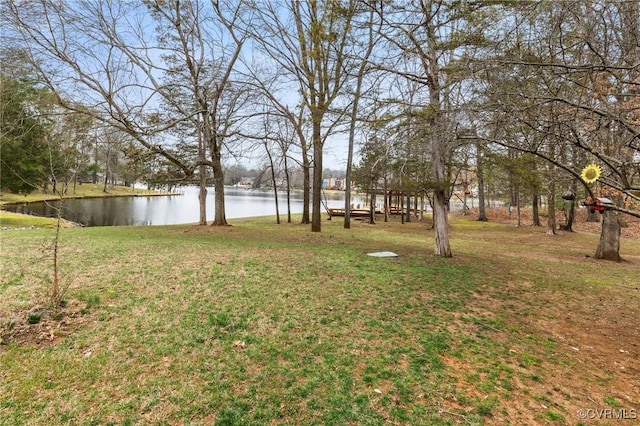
564	361
43	327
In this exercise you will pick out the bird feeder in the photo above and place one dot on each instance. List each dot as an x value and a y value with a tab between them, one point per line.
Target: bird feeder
569	195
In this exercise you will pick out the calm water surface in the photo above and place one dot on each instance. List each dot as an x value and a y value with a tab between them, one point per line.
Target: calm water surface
173	209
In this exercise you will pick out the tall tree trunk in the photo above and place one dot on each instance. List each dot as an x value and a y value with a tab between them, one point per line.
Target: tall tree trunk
288	180
465	196
514	189
306	185
535	206
387	203
482	212
202	179
347	189
202	169
609	245
274	183
220	218
316	216
551	206
441	224
202	195
440	216
106	171
353	122
518	209
372	204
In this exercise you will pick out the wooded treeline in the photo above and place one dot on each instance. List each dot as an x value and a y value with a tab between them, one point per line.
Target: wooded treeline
439	98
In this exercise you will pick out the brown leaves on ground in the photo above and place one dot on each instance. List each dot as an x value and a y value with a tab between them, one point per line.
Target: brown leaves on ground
630	225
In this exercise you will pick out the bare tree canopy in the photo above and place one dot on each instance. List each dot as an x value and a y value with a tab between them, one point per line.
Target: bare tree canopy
441	96
161	72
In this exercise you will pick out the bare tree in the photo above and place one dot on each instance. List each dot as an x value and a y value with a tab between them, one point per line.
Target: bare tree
482	210
284	137
368	43
150	82
581	62
274	86
310	40
421	37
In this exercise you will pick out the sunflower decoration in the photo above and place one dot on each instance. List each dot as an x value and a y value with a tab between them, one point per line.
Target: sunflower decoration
591	173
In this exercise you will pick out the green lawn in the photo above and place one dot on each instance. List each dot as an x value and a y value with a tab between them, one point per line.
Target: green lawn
261	323
17	220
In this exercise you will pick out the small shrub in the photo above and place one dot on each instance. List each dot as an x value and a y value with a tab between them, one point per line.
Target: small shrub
485	407
612	402
554	416
34	318
91	298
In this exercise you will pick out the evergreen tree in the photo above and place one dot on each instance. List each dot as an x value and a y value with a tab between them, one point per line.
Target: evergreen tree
23	149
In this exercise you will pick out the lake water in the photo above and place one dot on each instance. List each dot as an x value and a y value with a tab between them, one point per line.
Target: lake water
174	209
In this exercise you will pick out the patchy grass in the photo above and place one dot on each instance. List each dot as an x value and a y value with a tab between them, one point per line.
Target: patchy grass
17	220
272	324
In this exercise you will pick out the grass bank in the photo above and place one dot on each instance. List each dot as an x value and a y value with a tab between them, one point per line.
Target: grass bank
85	190
18	220
265	324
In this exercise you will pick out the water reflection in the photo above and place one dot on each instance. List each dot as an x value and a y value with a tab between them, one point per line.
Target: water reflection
172	209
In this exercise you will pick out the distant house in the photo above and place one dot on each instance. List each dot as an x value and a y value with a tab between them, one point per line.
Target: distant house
246	182
333	183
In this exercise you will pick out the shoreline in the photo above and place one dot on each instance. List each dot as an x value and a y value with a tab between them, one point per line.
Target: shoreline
88	191
84	197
